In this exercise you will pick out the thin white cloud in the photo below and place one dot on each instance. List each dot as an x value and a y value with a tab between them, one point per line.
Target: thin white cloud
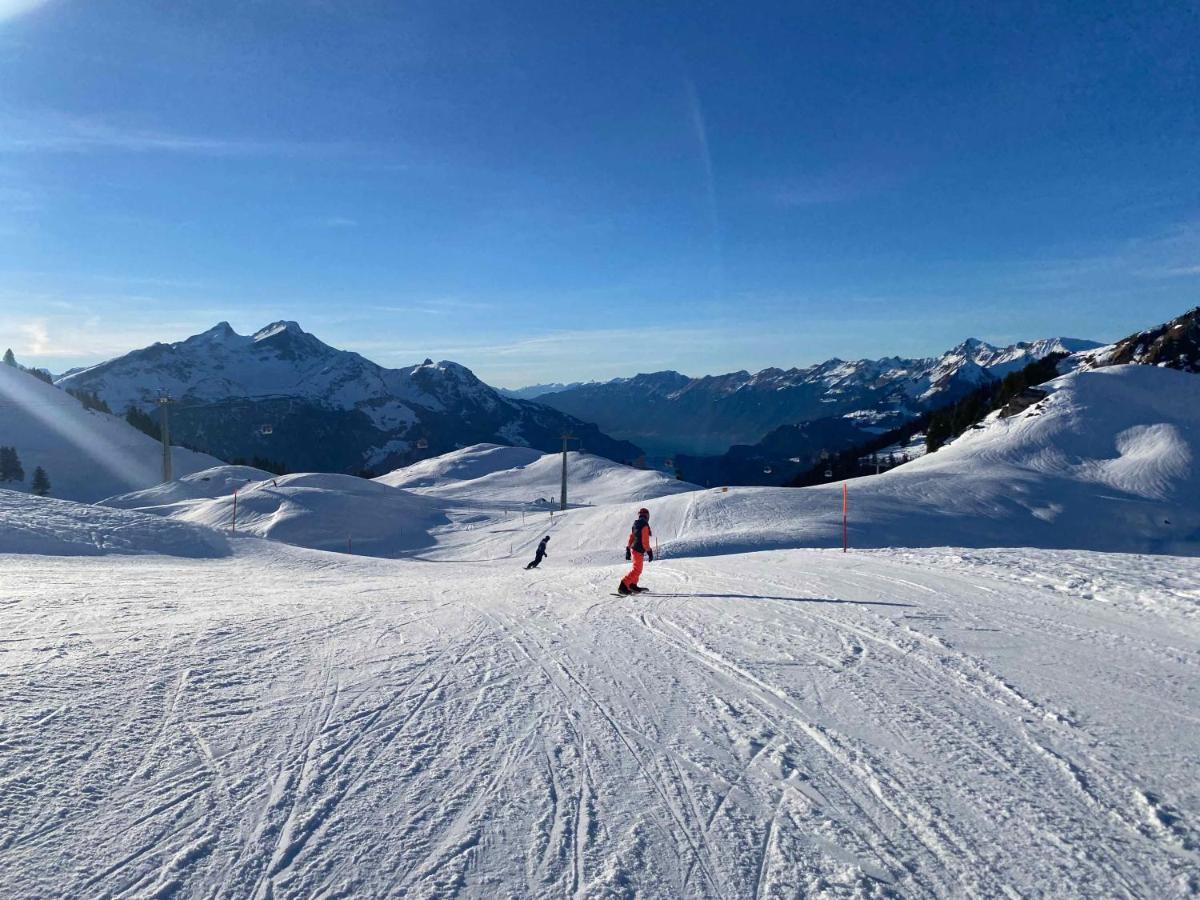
10	9
59	133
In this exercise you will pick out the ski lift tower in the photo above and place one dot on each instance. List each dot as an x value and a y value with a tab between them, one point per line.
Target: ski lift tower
566	438
164	405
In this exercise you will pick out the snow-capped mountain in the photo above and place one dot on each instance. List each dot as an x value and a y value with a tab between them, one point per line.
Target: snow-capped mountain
531	391
668	412
284	395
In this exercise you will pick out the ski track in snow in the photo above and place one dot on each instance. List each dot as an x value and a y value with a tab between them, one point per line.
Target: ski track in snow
290	723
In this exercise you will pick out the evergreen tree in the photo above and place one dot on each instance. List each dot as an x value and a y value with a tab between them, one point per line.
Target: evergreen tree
41	483
9	359
10	465
89	399
143	422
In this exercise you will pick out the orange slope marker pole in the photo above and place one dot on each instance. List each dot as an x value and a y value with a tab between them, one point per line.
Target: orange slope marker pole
845	509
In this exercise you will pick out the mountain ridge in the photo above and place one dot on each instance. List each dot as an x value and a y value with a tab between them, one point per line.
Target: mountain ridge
717	411
283	394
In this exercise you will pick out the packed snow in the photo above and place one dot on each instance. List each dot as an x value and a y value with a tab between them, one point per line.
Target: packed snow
772	720
43	525
88	455
292	723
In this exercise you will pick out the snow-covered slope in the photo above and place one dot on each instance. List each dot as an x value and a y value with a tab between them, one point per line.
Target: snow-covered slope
488	474
86	454
219	481
796	724
1108	461
461	465
284	395
48	527
320	511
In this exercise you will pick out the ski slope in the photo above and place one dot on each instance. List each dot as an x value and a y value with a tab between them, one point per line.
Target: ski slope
87	454
293	723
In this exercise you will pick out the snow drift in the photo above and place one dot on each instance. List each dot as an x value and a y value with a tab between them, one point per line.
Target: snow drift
461	465
322	512
207	484
45	526
87	454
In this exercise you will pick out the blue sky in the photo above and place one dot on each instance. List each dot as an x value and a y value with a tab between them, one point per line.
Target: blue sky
554	191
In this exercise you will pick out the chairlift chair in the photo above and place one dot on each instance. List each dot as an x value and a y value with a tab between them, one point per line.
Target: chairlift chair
266	428
422	444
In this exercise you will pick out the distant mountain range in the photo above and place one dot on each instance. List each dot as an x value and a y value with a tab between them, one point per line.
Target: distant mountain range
789	450
667	412
536	390
283	395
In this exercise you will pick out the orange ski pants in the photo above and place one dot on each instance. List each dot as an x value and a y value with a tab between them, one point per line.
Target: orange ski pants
636	572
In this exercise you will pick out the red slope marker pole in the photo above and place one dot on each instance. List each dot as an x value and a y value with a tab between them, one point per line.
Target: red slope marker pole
845	509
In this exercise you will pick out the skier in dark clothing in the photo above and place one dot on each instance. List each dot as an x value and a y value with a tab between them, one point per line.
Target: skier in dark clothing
637	548
541	551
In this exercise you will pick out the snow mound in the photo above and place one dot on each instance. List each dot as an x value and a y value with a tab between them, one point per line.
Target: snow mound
1107	461
592	481
45	526
86	454
460	465
207	484
323	512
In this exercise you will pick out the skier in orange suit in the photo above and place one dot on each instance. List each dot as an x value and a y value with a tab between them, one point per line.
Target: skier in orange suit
637	548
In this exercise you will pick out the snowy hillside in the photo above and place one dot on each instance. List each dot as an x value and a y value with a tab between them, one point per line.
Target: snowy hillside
282	394
323	512
87	454
669	412
461	465
45	526
219	481
491	473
